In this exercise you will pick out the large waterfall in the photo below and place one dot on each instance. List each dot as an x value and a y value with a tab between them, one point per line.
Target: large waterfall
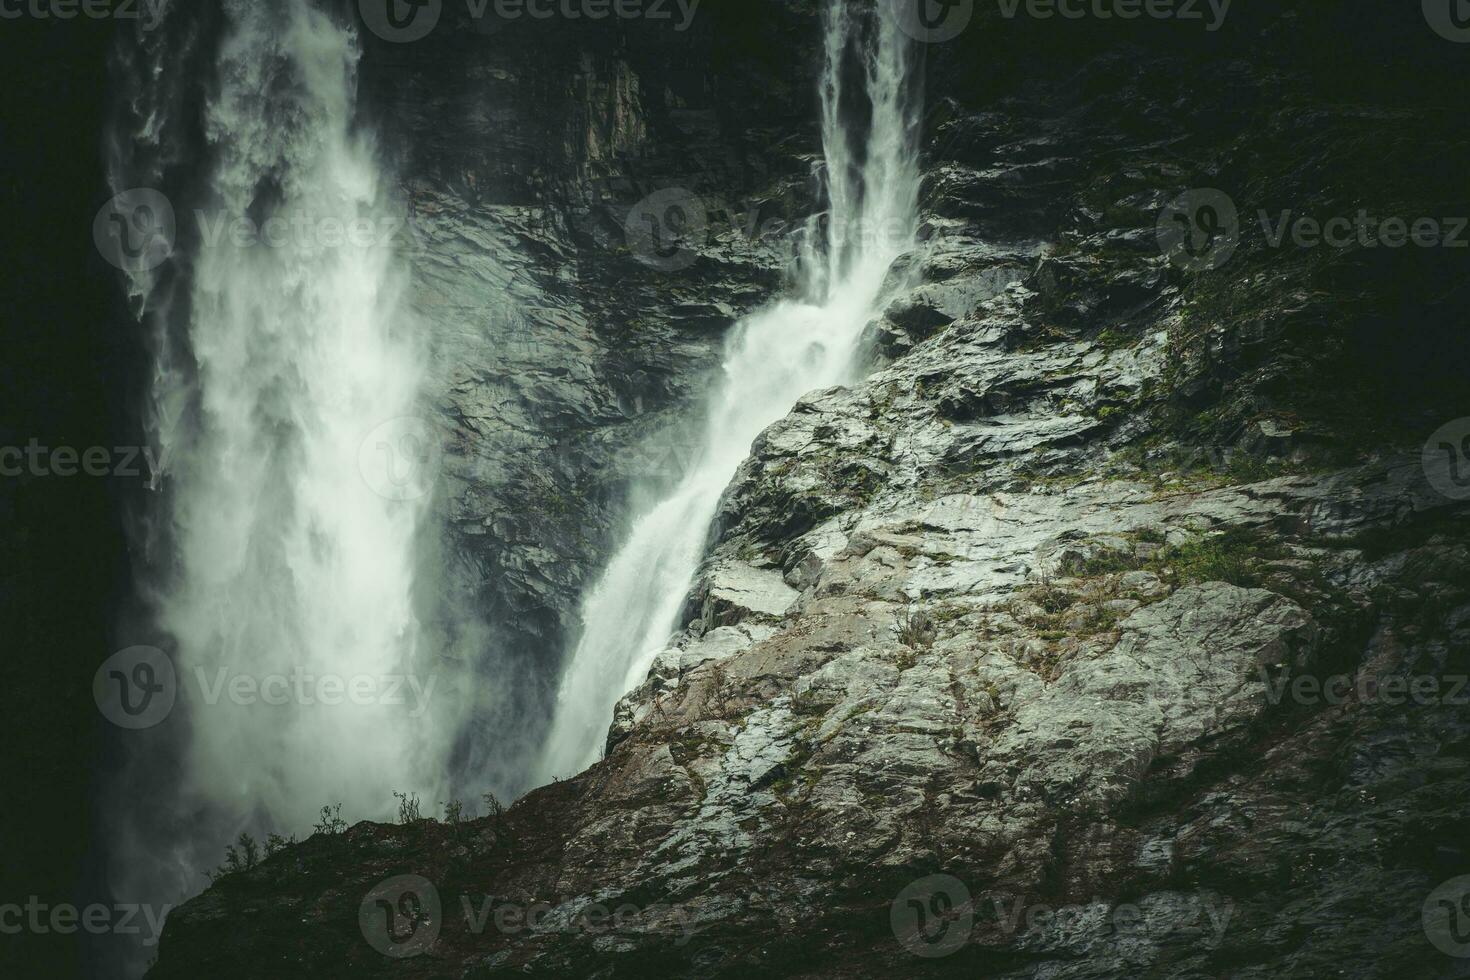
774	357
286	401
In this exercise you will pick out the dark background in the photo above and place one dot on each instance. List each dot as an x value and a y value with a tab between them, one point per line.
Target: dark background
64	367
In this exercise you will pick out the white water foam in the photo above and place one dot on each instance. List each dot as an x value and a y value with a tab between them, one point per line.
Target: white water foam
773	358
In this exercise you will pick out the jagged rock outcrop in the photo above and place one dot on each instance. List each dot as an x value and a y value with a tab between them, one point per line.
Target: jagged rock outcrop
1064	645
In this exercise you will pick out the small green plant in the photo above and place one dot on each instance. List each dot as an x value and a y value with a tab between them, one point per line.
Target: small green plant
275	843
1051	599
805	703
240	856
453	812
331	822
408	808
915	627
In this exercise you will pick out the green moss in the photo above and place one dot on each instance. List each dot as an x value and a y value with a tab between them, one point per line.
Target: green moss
1234	557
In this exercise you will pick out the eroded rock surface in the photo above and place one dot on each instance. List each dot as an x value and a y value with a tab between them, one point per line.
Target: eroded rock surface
1008	651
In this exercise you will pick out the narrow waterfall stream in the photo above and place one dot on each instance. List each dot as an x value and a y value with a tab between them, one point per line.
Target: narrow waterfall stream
285	399
795	346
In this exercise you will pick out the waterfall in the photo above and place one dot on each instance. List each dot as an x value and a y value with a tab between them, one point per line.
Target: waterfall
286	399
795	346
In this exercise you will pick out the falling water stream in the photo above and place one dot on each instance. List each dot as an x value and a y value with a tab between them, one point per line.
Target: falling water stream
775	356
287	381
286	539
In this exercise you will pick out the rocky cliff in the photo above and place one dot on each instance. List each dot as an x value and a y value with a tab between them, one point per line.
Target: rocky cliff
1114	625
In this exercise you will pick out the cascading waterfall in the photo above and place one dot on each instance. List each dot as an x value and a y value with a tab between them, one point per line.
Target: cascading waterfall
284	401
773	358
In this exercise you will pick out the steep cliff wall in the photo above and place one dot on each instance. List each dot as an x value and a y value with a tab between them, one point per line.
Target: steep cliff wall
1020	623
562	357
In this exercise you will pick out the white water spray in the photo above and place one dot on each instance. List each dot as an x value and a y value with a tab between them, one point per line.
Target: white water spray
773	358
294	474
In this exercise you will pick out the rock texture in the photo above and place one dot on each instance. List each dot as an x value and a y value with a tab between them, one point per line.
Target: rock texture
561	359
1003	660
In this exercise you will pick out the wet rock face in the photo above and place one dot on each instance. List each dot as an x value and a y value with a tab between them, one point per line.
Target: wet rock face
560	357
1080	639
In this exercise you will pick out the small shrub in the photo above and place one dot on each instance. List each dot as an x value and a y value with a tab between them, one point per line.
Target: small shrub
408	808
240	856
915	628
275	843
331	822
